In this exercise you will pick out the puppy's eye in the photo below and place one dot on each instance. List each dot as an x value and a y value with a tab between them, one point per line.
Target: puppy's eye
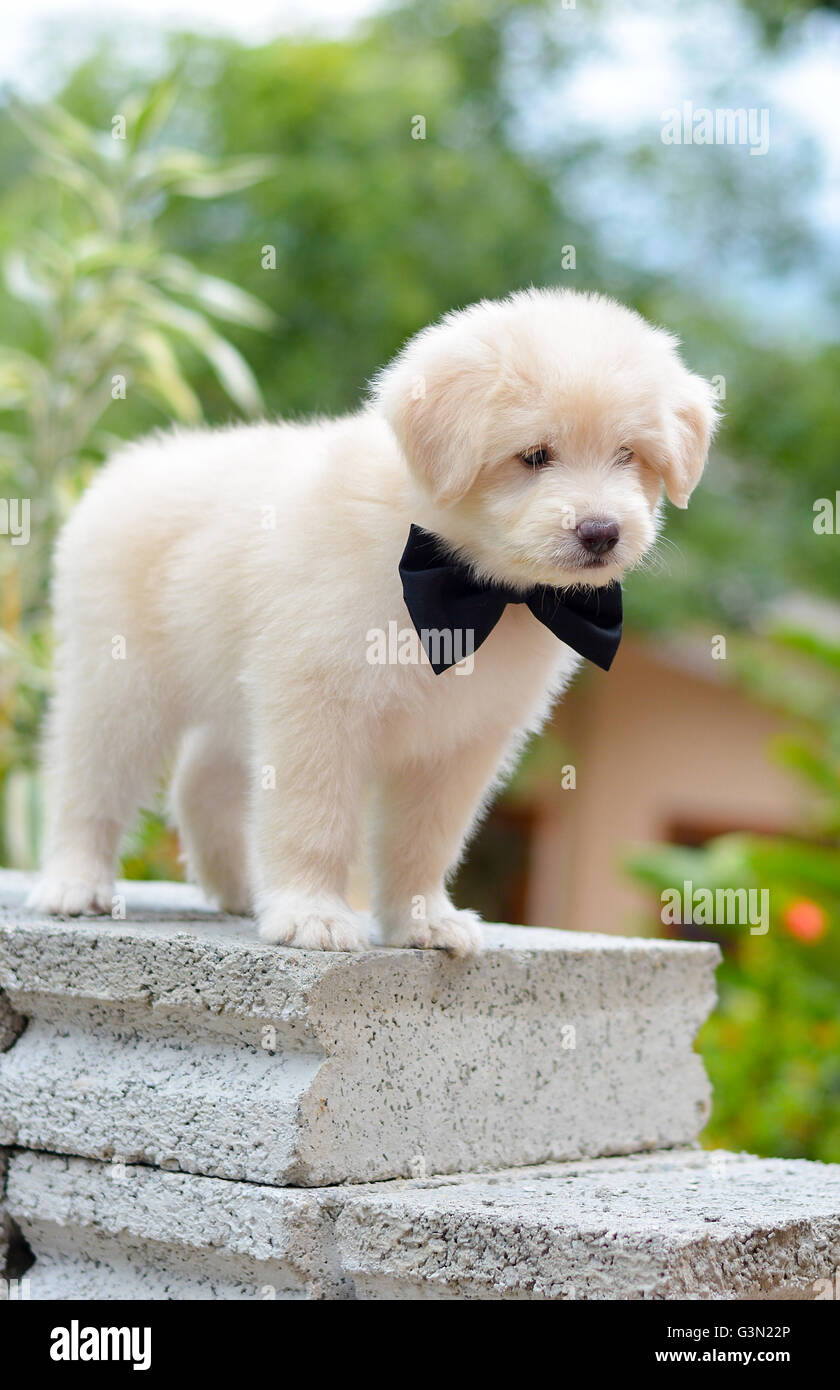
536	458
624	455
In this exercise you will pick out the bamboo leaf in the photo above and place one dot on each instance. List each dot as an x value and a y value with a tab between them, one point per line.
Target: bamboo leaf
219	297
232	179
24	284
147	113
22	379
227	362
89	189
162	376
194	176
54	131
97	252
72	133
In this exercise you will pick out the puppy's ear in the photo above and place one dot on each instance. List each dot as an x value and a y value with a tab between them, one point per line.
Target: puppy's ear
690	424
435	397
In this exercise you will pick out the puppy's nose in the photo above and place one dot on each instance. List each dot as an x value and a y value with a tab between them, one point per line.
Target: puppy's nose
598	537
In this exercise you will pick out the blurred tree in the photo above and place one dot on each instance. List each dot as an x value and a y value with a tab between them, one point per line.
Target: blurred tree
777	15
107	307
406	184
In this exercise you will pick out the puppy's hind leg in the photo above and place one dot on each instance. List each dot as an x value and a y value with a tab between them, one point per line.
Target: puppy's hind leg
209	798
106	738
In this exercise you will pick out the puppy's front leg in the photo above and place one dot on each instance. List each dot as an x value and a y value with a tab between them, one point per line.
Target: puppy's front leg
424	816
306	812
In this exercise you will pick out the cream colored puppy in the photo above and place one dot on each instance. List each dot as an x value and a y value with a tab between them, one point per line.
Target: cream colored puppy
218	593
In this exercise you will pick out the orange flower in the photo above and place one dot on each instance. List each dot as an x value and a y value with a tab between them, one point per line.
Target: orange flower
806	920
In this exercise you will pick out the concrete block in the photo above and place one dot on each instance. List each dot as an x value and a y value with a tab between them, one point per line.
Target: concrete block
176	1038
109	1231
11	1023
671	1225
5	1223
11	1026
674	1225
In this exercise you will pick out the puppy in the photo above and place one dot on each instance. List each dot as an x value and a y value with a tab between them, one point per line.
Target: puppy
218	596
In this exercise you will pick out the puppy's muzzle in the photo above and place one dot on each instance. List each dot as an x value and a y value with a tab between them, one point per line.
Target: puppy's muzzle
598	537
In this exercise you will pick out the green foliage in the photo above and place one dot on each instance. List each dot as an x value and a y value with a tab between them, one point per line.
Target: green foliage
109	317
773	1045
108	300
152	850
775	15
376	233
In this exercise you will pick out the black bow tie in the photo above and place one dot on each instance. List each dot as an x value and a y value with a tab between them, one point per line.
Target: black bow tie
454	612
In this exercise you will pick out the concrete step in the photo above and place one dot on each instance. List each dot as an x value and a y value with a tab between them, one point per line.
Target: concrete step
176	1038
677	1225
11	1026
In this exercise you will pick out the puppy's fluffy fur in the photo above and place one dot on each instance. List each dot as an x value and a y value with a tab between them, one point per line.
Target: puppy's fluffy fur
215	592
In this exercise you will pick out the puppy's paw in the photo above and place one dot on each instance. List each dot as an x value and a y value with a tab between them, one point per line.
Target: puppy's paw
316	922
444	928
71	897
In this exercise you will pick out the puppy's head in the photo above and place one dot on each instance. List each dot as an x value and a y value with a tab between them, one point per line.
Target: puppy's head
540	431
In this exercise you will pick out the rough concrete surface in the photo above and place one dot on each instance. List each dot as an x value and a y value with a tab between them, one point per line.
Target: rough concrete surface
5	1224
176	1038
11	1026
11	1023
676	1225
108	1231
